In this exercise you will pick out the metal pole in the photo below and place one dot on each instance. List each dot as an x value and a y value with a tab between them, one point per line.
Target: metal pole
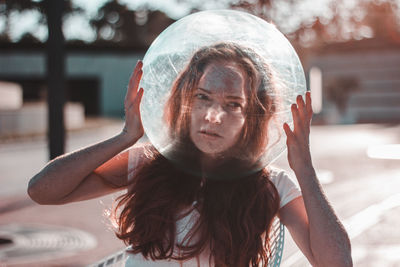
55	78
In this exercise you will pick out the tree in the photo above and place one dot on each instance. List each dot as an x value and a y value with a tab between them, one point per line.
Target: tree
383	18
341	21
365	19
51	12
261	8
8	7
118	25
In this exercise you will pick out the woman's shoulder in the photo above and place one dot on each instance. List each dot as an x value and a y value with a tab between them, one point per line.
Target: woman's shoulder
284	183
276	174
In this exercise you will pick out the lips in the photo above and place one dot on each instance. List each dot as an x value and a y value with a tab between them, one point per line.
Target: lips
209	133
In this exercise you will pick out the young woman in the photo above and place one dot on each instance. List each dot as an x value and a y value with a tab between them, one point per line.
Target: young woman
203	204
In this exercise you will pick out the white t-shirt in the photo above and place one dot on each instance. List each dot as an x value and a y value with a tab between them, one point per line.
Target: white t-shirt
285	186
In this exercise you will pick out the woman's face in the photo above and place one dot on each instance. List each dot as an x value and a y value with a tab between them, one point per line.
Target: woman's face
219	103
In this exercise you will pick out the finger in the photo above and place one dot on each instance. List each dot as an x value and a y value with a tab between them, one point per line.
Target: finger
134	81
288	131
132	78
135	104
309	106
138	100
132	90
135	78
297	122
302	108
138	66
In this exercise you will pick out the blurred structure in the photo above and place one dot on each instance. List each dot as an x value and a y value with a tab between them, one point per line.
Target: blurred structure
96	77
353	48
96	73
19	118
360	81
10	95
350	47
357	52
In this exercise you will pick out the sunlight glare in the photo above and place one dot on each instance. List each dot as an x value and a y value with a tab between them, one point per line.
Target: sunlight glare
391	151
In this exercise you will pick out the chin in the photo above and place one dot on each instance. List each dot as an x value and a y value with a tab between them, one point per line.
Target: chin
210	151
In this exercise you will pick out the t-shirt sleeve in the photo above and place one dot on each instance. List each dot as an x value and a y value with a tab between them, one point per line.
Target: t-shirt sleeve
287	188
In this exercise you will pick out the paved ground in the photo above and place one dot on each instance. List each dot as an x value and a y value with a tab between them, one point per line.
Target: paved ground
364	191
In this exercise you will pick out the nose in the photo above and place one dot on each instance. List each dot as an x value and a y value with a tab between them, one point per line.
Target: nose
215	114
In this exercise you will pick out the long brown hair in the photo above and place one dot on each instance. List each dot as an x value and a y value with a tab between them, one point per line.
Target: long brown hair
235	215
259	110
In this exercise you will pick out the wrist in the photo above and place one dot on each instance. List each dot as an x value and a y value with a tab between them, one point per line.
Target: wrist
127	139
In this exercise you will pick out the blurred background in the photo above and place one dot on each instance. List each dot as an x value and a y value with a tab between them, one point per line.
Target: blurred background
64	67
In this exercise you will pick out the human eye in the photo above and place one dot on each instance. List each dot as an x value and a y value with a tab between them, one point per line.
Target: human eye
234	105
201	96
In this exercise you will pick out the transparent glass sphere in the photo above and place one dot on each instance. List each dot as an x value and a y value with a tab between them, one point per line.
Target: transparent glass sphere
171	106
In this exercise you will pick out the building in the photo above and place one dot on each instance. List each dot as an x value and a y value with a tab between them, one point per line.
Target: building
360	81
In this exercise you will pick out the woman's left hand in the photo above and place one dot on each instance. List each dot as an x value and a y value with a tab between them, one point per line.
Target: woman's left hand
297	141
311	219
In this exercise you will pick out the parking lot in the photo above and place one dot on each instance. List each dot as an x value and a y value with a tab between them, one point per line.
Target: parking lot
361	183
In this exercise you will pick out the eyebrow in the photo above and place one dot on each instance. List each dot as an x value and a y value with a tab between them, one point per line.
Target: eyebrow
228	96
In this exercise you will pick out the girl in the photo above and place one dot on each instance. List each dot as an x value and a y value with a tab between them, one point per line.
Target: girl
203	204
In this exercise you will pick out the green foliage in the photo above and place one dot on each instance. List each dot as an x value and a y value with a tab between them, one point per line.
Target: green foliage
7	7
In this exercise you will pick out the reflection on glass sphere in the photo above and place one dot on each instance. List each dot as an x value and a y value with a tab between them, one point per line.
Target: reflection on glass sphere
181	56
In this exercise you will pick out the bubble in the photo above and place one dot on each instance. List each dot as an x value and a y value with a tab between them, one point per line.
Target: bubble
172	117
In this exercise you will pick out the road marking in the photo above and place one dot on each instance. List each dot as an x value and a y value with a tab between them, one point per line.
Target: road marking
358	223
368	217
384	151
390	253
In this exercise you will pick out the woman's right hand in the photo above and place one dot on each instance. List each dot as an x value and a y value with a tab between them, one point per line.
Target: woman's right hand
95	170
133	128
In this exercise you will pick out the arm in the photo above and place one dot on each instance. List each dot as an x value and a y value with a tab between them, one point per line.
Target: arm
79	175
95	170
311	219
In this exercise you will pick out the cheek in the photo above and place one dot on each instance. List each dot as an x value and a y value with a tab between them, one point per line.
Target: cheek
195	115
240	120
197	111
241	127
236	125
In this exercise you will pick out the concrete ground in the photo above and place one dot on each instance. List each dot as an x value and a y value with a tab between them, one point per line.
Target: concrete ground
364	190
